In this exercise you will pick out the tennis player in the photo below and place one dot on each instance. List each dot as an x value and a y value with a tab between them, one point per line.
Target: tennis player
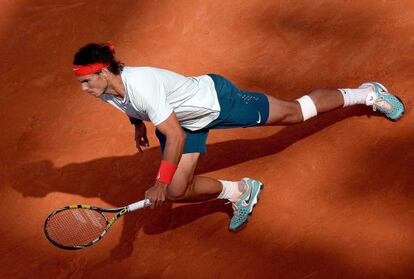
184	109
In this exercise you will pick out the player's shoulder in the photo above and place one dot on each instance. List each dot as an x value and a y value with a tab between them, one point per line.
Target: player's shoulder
143	70
138	76
136	71
149	71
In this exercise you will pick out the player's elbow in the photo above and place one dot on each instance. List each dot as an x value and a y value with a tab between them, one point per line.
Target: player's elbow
178	136
181	138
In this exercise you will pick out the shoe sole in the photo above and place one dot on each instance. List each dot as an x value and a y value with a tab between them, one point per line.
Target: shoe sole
399	99
255	201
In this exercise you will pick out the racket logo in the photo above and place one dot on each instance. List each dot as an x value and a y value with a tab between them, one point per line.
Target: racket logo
96	221
78	216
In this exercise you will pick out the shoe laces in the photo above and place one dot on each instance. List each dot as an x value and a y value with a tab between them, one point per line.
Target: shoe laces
234	202
233	206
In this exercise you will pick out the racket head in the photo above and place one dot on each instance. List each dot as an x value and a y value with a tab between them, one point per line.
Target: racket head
76	226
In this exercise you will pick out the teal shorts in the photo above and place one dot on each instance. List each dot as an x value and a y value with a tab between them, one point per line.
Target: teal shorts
238	109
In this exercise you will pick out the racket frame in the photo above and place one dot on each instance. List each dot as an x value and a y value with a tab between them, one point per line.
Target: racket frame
119	211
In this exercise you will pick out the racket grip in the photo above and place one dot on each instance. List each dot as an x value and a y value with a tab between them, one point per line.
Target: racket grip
139	205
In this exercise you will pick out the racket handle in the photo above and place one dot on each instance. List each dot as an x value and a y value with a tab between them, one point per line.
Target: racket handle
139	205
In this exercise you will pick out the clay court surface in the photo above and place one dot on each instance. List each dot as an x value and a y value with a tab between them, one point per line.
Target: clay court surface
338	199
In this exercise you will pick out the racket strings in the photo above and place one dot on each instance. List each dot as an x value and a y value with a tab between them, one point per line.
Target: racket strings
76	227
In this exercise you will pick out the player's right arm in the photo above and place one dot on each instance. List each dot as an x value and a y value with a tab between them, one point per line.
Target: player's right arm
140	133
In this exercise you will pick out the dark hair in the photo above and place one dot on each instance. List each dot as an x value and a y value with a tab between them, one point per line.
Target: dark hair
98	53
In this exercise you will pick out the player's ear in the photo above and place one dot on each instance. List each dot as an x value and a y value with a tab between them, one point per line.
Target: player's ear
105	73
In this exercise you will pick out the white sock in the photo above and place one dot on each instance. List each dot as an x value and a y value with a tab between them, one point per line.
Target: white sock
232	190
355	96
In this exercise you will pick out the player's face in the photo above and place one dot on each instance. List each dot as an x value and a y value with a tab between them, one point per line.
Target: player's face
93	84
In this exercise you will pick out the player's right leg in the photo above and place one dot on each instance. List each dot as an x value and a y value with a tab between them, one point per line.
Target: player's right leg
322	100
283	112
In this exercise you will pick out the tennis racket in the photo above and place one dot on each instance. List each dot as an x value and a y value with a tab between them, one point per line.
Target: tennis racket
79	226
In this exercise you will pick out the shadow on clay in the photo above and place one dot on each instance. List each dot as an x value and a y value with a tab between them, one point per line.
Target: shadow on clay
123	180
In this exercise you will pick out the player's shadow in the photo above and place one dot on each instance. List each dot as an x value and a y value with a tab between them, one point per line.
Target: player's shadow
122	180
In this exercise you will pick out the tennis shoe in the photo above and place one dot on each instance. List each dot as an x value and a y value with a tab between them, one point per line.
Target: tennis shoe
383	101
243	207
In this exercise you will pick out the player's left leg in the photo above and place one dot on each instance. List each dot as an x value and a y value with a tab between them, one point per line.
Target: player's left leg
187	187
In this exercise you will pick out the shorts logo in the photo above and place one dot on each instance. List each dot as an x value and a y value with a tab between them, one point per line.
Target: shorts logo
260	118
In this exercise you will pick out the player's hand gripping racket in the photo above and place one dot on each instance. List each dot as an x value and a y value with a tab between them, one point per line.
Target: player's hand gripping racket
79	226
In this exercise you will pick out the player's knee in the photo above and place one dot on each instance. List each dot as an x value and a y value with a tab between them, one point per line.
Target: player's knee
175	195
178	190
293	113
173	198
